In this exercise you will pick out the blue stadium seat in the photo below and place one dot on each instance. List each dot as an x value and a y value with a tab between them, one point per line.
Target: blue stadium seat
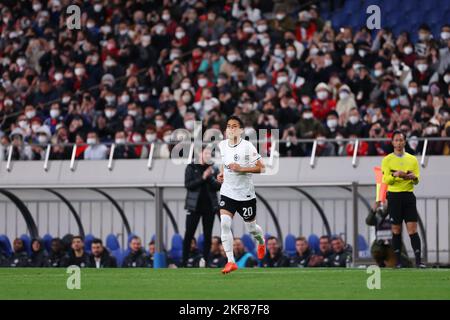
200	242
88	242
5	245
289	245
313	241
176	251
26	242
249	244
112	243
47	239
362	243
267	236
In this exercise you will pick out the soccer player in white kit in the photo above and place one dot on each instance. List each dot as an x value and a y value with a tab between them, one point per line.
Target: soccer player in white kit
240	160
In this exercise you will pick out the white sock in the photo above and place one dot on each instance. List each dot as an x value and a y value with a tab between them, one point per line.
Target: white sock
256	231
227	236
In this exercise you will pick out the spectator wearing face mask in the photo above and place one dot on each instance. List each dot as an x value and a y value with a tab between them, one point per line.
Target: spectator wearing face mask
363	146
95	150
354	125
121	149
21	150
346	102
323	104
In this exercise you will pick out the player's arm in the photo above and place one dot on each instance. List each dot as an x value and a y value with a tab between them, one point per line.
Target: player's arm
259	167
415	174
220	175
388	178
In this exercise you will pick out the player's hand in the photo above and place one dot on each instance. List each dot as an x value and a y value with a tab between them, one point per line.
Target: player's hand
220	177
207	173
399	174
234	167
410	176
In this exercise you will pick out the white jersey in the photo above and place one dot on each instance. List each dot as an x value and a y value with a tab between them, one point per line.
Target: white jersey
238	186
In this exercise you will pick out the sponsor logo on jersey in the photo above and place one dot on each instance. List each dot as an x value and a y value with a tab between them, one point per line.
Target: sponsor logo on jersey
236	157
222	203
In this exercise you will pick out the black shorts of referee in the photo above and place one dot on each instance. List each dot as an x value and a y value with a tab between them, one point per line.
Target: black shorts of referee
402	206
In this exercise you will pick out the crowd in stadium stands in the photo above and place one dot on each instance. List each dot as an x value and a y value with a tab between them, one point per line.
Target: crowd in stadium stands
138	70
71	250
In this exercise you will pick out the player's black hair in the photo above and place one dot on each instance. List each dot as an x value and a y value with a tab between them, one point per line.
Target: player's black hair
398	132
97	241
78	237
241	124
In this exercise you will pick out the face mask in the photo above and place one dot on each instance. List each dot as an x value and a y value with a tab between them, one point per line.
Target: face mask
231	57
306	100
249	53
65	99
186	99
377	72
202	82
97	7
150	137
128	124
332	123
393	103
250	69
110	113
224	41
146	40
422	67
314	51
42	139
307	115
79	71
202	44
322	95
248	30
21	62
264	41
260	82
159	124
120	141
91	141
54	113
447	78
30	114
423	36
37	7
261	28
166	138
395	62
362	53
412	91
374	118
137	138
179	35
142	97
110	99
124	99
281	80
8	103
353	119
290	53
280	16
445	35
408	50
349	51
58	76
278	53
132	113
189	124
343	95
35	127
166	17
23	124
90	25
327	62
159	29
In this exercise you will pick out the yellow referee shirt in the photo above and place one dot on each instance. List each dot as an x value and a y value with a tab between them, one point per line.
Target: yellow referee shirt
405	163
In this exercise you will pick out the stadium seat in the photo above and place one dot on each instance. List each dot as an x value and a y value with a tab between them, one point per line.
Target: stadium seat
249	244
88	242
176	251
26	242
5	245
112	243
289	245
200	242
47	239
313	241
362	243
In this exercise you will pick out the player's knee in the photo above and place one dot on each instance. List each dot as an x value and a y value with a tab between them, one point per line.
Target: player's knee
225	222
396	229
251	227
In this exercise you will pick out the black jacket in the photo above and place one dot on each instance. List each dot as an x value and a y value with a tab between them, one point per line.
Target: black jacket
300	261
138	259
55	259
216	261
279	261
193	181
38	259
18	259
70	259
193	260
340	259
106	260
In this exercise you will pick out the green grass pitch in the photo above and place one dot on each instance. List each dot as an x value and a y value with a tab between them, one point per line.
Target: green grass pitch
209	284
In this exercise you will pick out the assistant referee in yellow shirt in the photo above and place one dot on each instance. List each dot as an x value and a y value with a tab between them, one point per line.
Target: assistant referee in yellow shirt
401	174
